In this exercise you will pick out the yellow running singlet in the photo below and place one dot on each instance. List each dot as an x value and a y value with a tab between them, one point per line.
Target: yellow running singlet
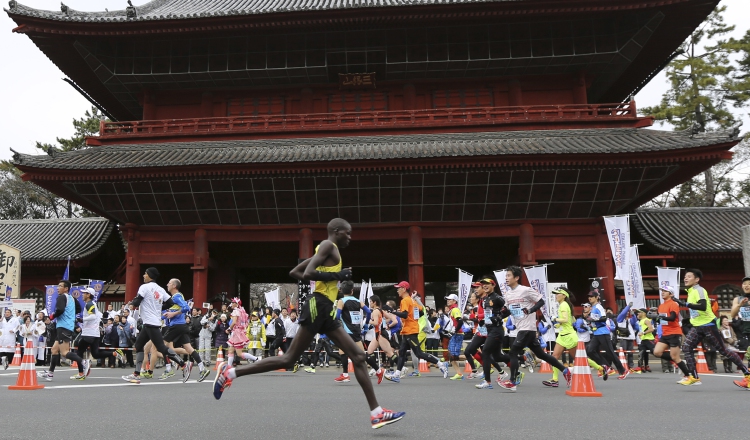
330	289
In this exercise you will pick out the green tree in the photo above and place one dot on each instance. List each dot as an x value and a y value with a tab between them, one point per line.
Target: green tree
704	82
25	200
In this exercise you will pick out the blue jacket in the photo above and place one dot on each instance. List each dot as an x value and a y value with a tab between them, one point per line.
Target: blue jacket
179	304
124	333
633	319
581	326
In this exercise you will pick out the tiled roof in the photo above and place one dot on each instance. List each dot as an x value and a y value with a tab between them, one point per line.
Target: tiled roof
693	230
185	9
55	239
422	146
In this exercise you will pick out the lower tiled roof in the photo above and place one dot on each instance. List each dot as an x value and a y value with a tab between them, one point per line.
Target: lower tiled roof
693	230
546	143
56	239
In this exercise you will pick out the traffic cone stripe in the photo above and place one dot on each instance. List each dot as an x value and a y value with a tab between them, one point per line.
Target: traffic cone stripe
582	384
701	366
17	357
27	372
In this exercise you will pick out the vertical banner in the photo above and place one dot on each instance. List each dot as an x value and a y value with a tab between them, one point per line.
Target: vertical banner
77	293
66	275
633	283
50	299
669	276
502	284
618	234
363	292
98	286
369	291
551	301
10	272
272	299
464	288
537	276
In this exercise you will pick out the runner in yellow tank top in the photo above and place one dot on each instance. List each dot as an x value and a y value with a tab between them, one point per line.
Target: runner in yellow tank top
317	316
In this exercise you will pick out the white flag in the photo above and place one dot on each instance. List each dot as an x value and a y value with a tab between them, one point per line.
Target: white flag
363	292
633	283
502	284
464	288
669	276
551	301
537	276
618	233
369	291
272	299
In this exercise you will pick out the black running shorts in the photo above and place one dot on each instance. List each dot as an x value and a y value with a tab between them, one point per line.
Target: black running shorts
64	335
178	335
317	315
526	338
671	340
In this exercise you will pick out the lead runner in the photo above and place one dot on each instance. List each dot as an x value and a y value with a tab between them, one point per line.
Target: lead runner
318	316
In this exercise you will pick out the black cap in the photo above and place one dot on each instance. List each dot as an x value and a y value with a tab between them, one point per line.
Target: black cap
746	279
153	273
593	293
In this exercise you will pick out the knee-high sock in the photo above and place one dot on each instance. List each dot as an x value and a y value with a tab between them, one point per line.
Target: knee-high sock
73	356
138	362
55	359
593	364
249	357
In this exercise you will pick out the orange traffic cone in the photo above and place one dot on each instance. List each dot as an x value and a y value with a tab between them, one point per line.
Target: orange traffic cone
623	361
701	366
467	366
281	353
582	384
424	367
27	374
545	367
219	358
17	357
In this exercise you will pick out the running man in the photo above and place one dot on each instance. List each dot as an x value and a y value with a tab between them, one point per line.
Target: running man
522	302
602	339
703	320
492	353
349	311
90	334
410	310
567	338
326	269
151	299
66	309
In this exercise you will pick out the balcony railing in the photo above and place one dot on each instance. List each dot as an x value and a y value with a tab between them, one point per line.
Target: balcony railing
364	120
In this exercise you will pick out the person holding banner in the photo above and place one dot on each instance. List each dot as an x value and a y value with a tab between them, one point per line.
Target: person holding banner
567	337
317	316
602	339
522	302
66	310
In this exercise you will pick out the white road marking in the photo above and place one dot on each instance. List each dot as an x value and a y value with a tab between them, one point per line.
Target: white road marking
103	385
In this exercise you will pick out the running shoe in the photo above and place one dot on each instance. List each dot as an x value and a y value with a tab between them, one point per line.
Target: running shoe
310	370
550	383
222	380
371	372
380	373
342	379
519	378
647	369
147	375
404	371
86	367
443	369
5	363
204	374
484	385
78	376
132	378
457	377
295	368
637	370
476	375
186	370
392	377
386	418
744	383
415	374
120	355
604	372
624	375
568	376
690	381
502	377
166	375
508	385
46	375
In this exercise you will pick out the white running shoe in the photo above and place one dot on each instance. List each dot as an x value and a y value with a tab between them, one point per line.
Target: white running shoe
86	367
443	369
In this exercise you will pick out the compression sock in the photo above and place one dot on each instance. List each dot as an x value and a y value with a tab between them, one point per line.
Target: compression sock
230	360
593	364
54	361
345	364
683	367
71	356
555	374
249	357
139	363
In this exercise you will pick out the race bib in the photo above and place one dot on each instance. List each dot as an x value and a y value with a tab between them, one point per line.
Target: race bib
356	317
488	316
254	331
726	333
416	313
694	313
745	313
482	331
516	311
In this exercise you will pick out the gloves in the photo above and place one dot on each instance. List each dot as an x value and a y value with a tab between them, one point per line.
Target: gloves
653	314
510	327
682	303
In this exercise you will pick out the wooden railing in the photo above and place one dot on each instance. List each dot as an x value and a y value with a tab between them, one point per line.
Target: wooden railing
372	120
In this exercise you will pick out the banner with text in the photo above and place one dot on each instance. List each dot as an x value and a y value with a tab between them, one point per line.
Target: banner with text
669	276
10	272
363	292
537	276
633	283
272	299
98	286
618	234
502	284
50	299
553	306
464	288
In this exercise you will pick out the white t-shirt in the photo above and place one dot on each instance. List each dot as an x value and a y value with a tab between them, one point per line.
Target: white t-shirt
522	297
291	328
153	298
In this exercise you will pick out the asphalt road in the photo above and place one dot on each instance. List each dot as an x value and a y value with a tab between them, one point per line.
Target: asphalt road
313	406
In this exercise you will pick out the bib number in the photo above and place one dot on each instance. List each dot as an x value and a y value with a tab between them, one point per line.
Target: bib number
482	331
745	313
487	316
694	313
516	311
726	333
356	317
416	313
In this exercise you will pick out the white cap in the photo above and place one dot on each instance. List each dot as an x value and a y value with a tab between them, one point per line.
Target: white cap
669	289
452	296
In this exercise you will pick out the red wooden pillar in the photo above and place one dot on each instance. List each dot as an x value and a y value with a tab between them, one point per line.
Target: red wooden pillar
200	267
416	262
526	255
132	265
605	268
305	243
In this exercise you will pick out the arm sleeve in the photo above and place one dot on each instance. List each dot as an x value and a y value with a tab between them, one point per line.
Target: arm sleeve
537	306
137	301
700	305
672	316
400	314
563	317
368	314
167	304
79	309
621	316
338	313
60	305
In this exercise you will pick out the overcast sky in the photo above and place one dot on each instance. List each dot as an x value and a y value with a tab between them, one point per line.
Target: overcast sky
39	106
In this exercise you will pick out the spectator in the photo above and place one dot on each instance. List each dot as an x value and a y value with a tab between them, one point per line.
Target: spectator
126	338
50	340
256	333
27	331
208	325
627	328
111	341
432	344
195	328
290	327
279	330
270	333
221	333
730	340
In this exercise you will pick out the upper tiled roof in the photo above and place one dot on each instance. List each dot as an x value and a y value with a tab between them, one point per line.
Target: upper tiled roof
693	230
422	146
184	9
56	239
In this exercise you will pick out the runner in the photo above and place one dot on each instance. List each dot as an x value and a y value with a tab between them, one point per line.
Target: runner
349	311
151	299
456	341
326	268
646	333
66	310
567	338
703	323
476	320
740	314
522	303
492	352
602	339
410	311
90	333
380	326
